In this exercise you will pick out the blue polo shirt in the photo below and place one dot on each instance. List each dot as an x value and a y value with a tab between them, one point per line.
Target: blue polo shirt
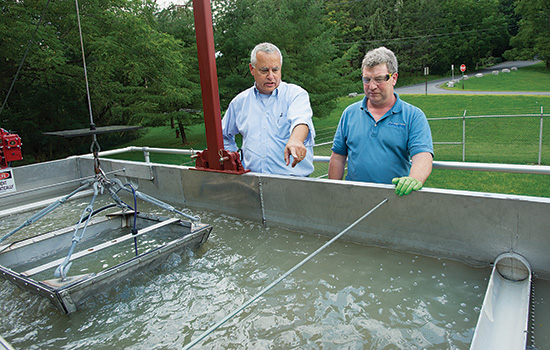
379	151
265	123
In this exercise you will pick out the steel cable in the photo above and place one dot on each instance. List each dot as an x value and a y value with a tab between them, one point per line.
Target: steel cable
282	277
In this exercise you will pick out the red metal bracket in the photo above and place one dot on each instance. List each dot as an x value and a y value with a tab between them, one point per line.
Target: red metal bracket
214	157
10	148
229	162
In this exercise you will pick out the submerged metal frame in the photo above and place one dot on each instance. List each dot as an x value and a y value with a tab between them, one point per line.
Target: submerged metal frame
67	295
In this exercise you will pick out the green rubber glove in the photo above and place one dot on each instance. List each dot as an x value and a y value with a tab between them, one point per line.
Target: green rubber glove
405	185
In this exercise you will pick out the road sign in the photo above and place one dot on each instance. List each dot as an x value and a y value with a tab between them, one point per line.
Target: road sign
462	67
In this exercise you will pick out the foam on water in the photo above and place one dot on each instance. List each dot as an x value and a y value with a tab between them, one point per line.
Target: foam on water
349	296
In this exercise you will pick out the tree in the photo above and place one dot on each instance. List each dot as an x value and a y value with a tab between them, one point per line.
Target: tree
473	33
137	74
423	33
178	21
533	37
234	40
300	28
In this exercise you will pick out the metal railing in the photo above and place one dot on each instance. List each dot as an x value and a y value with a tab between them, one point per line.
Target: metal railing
147	151
490	167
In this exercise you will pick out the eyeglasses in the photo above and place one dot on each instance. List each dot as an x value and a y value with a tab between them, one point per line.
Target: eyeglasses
377	80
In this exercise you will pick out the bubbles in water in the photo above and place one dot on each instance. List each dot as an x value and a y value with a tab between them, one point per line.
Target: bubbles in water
348	296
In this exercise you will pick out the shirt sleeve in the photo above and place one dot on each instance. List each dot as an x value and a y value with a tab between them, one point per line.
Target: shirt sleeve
339	145
229	129
300	112
420	136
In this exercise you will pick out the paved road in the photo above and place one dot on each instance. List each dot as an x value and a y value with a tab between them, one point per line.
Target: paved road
434	88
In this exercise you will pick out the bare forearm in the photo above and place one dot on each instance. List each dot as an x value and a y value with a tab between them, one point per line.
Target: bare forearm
421	166
336	166
299	133
295	146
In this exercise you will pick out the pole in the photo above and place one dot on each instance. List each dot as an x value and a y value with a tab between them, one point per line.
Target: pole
452	72
426	93
209	81
426	73
540	135
464	136
286	274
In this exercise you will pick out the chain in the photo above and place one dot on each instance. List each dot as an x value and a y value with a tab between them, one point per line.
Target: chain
94	148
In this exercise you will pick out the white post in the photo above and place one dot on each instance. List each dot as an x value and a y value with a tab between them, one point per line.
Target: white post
146	155
452	72
464	136
426	72
540	135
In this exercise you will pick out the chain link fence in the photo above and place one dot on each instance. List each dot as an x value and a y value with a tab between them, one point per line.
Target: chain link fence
512	139
508	139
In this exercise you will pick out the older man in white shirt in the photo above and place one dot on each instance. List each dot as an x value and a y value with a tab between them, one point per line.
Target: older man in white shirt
274	119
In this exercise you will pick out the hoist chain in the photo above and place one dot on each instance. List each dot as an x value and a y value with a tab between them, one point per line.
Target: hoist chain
94	148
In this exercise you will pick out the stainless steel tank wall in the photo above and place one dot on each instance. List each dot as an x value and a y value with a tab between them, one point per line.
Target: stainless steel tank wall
472	227
469	226
53	178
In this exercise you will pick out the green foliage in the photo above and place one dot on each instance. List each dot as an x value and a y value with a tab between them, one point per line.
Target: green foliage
310	62
533	37
142	61
137	74
424	33
178	22
234	42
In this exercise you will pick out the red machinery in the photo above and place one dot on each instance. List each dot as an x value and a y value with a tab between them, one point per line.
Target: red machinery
10	148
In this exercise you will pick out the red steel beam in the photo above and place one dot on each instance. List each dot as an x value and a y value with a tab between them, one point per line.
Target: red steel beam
209	83
214	158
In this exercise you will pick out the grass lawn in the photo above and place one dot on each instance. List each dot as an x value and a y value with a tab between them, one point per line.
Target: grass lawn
490	140
530	78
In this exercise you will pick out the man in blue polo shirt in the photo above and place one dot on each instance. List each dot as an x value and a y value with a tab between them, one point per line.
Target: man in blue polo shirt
384	139
274	119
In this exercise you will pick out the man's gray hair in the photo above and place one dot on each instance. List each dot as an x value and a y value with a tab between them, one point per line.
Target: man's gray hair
264	47
378	56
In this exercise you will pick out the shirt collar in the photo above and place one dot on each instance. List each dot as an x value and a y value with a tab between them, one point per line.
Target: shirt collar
396	108
398	105
274	93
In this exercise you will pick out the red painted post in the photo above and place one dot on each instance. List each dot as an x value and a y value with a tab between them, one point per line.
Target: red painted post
209	82
214	158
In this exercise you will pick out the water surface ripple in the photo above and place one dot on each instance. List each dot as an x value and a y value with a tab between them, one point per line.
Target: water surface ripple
349	296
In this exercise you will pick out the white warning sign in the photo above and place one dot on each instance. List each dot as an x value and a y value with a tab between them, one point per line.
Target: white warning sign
7	182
